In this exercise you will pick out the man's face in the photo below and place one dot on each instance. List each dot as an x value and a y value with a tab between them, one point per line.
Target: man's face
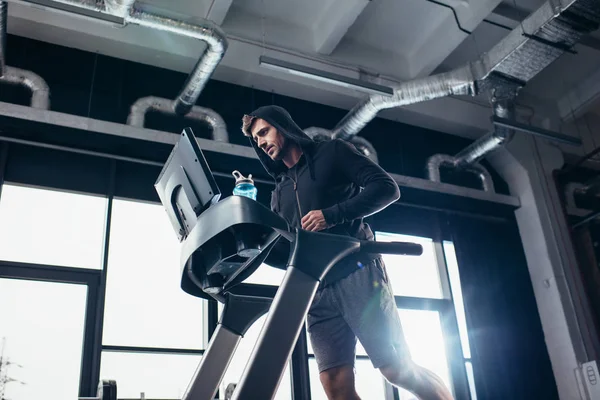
268	139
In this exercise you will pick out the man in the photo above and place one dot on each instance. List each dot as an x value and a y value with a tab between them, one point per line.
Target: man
329	186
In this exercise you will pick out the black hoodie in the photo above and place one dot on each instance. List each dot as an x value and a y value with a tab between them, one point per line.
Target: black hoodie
332	176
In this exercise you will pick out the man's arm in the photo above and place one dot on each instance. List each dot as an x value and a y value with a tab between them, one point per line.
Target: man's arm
379	189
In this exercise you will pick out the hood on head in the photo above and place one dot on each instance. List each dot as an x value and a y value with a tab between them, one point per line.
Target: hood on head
283	122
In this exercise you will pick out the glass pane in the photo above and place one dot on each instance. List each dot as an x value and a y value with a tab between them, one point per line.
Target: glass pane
158	376
369	382
410	275
425	338
457	297
145	305
241	357
42	336
471	379
51	227
266	275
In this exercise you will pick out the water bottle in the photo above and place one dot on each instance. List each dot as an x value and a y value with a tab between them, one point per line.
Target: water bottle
244	186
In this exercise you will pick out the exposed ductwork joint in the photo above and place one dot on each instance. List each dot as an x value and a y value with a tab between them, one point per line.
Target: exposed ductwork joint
3	34
206	31
118	7
457	82
140	108
435	162
362	144
498	137
540	39
467	159
40	92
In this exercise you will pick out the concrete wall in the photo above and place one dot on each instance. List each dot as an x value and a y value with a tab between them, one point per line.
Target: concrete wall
527	164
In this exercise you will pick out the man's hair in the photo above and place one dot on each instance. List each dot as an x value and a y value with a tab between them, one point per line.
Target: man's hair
247	122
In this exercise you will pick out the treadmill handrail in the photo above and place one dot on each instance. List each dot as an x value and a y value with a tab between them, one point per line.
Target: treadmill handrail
400	248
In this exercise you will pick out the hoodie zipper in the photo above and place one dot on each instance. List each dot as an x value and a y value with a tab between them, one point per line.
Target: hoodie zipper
297	198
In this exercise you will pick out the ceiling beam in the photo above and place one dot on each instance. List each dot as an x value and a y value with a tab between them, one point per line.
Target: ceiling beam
218	11
335	22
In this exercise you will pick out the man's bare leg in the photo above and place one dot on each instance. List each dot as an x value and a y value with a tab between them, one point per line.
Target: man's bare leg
338	383
420	381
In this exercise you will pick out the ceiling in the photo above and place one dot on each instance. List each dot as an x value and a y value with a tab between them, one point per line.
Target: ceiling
382	41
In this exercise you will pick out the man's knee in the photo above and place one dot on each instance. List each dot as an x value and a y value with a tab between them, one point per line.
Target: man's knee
338	382
399	373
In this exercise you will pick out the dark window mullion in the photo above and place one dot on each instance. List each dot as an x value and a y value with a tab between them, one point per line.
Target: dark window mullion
3	162
101	299
151	350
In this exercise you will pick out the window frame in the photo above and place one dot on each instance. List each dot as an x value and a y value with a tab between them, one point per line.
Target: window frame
81	276
96	281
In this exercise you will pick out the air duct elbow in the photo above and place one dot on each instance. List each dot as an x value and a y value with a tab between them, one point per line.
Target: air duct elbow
139	109
40	92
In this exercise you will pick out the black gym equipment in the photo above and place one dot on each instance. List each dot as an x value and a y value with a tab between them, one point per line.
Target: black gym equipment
223	242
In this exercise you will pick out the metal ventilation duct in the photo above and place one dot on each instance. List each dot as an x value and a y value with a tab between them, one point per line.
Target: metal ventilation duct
40	93
435	162
493	140
468	158
140	108
206	31
362	144
118	7
529	48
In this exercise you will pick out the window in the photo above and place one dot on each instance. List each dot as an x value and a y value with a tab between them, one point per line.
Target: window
459	307
471	379
425	338
41	332
410	275
145	305
455	287
266	275
51	227
242	355
158	376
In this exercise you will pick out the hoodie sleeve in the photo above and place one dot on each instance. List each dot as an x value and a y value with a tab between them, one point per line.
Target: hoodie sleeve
379	189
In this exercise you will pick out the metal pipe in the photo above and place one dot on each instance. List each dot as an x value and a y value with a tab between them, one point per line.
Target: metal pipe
479	148
435	162
539	40
118	7
206	31
142	106
498	137
40	92
484	176
3	34
460	81
362	144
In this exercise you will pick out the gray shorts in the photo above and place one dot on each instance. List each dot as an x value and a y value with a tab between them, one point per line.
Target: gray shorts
361	306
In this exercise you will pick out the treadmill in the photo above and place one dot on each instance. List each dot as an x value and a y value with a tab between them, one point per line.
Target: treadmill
223	242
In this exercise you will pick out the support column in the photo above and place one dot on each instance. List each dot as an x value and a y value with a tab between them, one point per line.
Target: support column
527	164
